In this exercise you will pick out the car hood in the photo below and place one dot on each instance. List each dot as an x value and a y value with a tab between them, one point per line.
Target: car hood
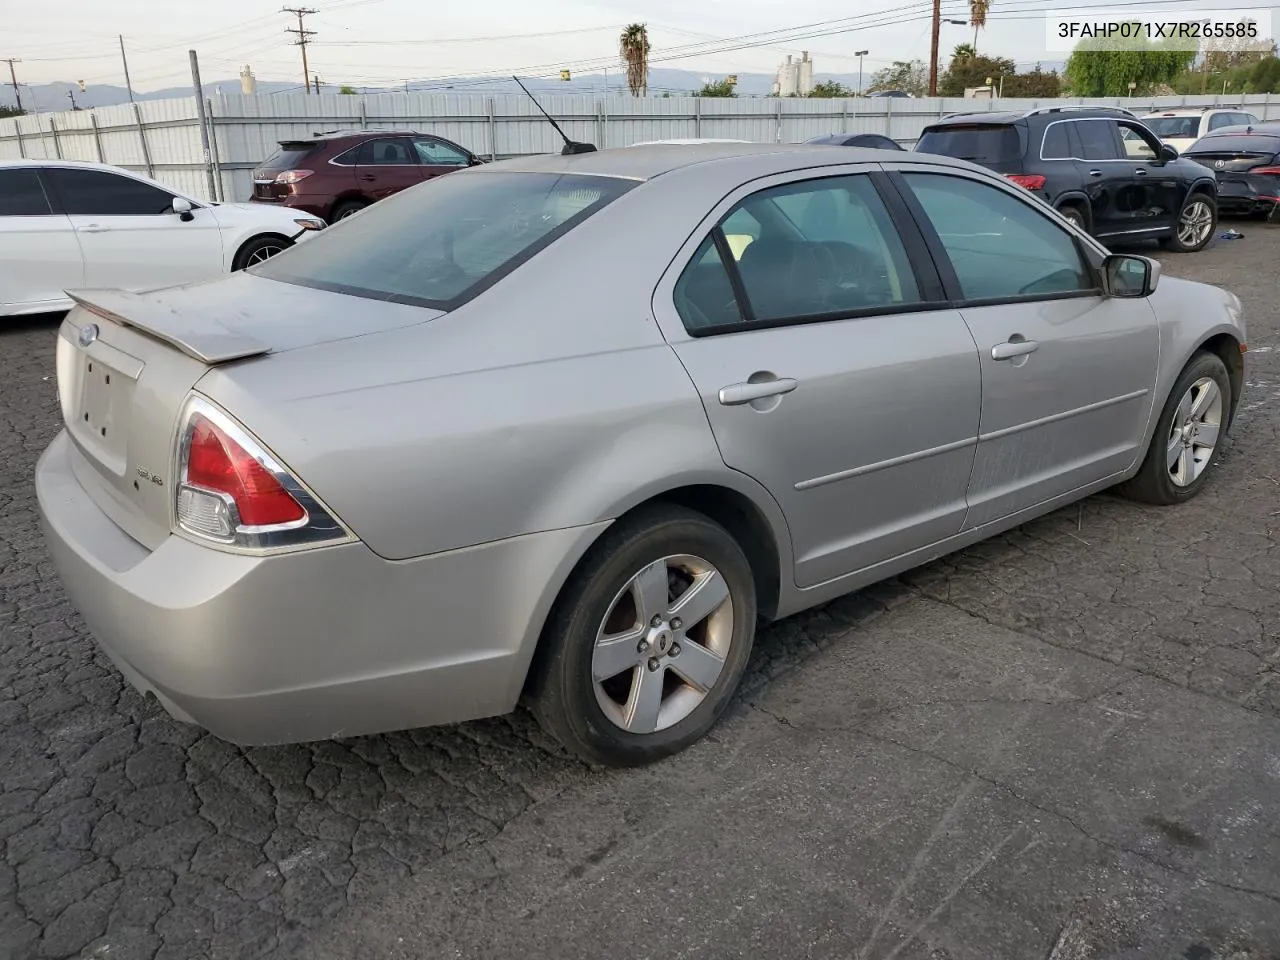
240	316
280	218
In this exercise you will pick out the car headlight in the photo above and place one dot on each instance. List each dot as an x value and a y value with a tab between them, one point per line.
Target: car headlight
308	223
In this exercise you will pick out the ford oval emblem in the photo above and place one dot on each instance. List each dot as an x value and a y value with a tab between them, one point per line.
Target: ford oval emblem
88	334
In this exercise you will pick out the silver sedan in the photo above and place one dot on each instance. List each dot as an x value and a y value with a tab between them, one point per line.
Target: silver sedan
567	428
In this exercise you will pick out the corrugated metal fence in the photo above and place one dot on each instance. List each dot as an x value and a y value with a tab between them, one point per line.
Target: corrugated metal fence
162	137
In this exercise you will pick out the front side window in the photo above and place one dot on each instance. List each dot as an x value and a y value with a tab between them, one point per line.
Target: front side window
817	249
1098	139
21	194
439	154
447	240
999	246
96	193
1135	144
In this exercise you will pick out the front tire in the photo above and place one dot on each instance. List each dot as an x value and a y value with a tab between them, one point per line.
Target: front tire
648	641
1187	436
259	250
1196	223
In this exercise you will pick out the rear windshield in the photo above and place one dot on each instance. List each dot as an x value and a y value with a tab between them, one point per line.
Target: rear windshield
1187	128
1245	144
288	157
443	242
981	144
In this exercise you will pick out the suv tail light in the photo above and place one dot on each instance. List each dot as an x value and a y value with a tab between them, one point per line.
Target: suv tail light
232	491
293	176
1032	181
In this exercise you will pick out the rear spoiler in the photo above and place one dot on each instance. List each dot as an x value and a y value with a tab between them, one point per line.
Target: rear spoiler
200	337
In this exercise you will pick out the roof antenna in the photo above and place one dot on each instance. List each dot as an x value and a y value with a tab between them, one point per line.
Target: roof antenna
570	146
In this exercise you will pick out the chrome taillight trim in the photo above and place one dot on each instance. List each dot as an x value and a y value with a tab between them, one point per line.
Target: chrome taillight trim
317	527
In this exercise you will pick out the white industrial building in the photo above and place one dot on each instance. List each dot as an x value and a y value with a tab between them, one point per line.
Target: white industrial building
795	77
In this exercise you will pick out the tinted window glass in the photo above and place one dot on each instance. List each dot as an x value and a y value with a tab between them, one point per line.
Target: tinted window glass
21	194
981	144
998	245
1229	143
817	248
1177	128
704	293
101	194
388	152
446	240
1219	120
288	157
1098	139
1057	145
435	152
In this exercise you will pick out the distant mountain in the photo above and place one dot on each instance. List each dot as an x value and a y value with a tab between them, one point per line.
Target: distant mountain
53	96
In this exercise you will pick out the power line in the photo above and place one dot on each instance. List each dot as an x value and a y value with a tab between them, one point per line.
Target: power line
303	35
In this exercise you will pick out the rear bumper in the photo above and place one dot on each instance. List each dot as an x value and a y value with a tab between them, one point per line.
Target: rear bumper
312	205
320	643
1247	196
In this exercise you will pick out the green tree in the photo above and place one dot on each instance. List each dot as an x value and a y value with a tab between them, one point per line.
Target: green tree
11	112
348	90
909	76
1101	68
978	17
1035	84
967	70
1264	76
718	88
633	47
830	90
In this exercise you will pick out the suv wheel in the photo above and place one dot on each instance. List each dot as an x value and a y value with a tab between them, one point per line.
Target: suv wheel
346	209
1195	226
1075	215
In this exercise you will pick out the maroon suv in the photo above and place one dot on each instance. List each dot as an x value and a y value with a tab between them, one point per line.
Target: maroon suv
332	175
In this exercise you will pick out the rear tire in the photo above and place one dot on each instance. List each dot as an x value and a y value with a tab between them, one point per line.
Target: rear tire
259	250
1075	215
1197	221
346	209
622	680
1188	435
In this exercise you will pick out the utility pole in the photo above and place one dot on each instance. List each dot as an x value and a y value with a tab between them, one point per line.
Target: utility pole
125	60
13	79
860	54
933	48
304	37
204	123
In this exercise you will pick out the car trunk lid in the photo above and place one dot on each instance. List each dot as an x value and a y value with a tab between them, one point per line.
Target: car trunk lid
292	155
126	363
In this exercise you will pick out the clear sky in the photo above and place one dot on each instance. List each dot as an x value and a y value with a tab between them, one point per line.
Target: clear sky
374	42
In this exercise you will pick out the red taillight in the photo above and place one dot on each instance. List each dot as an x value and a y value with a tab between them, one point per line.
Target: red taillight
216	462
1032	181
1267	171
293	176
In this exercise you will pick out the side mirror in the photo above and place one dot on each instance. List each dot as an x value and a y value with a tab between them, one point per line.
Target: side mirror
1168	153
1129	276
182	207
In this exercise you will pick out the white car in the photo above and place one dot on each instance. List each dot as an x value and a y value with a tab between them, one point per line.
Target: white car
1181	128
66	224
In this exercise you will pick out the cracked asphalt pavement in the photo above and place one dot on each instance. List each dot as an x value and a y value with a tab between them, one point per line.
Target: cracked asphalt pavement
1061	743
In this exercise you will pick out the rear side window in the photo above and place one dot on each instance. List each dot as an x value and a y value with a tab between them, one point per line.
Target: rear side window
21	194
96	193
1057	144
443	242
1248	143
980	143
1098	139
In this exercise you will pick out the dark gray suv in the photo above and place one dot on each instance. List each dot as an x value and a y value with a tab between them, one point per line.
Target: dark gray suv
1097	166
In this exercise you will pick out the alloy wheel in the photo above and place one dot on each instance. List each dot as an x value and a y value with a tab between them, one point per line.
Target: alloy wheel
1195	223
1193	435
262	254
663	643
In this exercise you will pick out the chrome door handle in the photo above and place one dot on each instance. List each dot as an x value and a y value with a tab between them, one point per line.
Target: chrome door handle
740	393
1013	348
1095	173
94	228
1140	172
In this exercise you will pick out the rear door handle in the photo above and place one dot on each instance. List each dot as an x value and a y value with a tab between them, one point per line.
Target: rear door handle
1140	172
368	176
740	393
1013	348
1095	173
94	228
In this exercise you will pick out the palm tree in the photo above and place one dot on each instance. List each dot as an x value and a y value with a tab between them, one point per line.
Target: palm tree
978	17
633	46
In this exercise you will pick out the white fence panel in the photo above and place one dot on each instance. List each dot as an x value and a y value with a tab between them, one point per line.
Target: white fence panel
162	137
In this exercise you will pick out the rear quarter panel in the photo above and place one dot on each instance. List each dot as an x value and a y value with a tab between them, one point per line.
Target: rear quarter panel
549	401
